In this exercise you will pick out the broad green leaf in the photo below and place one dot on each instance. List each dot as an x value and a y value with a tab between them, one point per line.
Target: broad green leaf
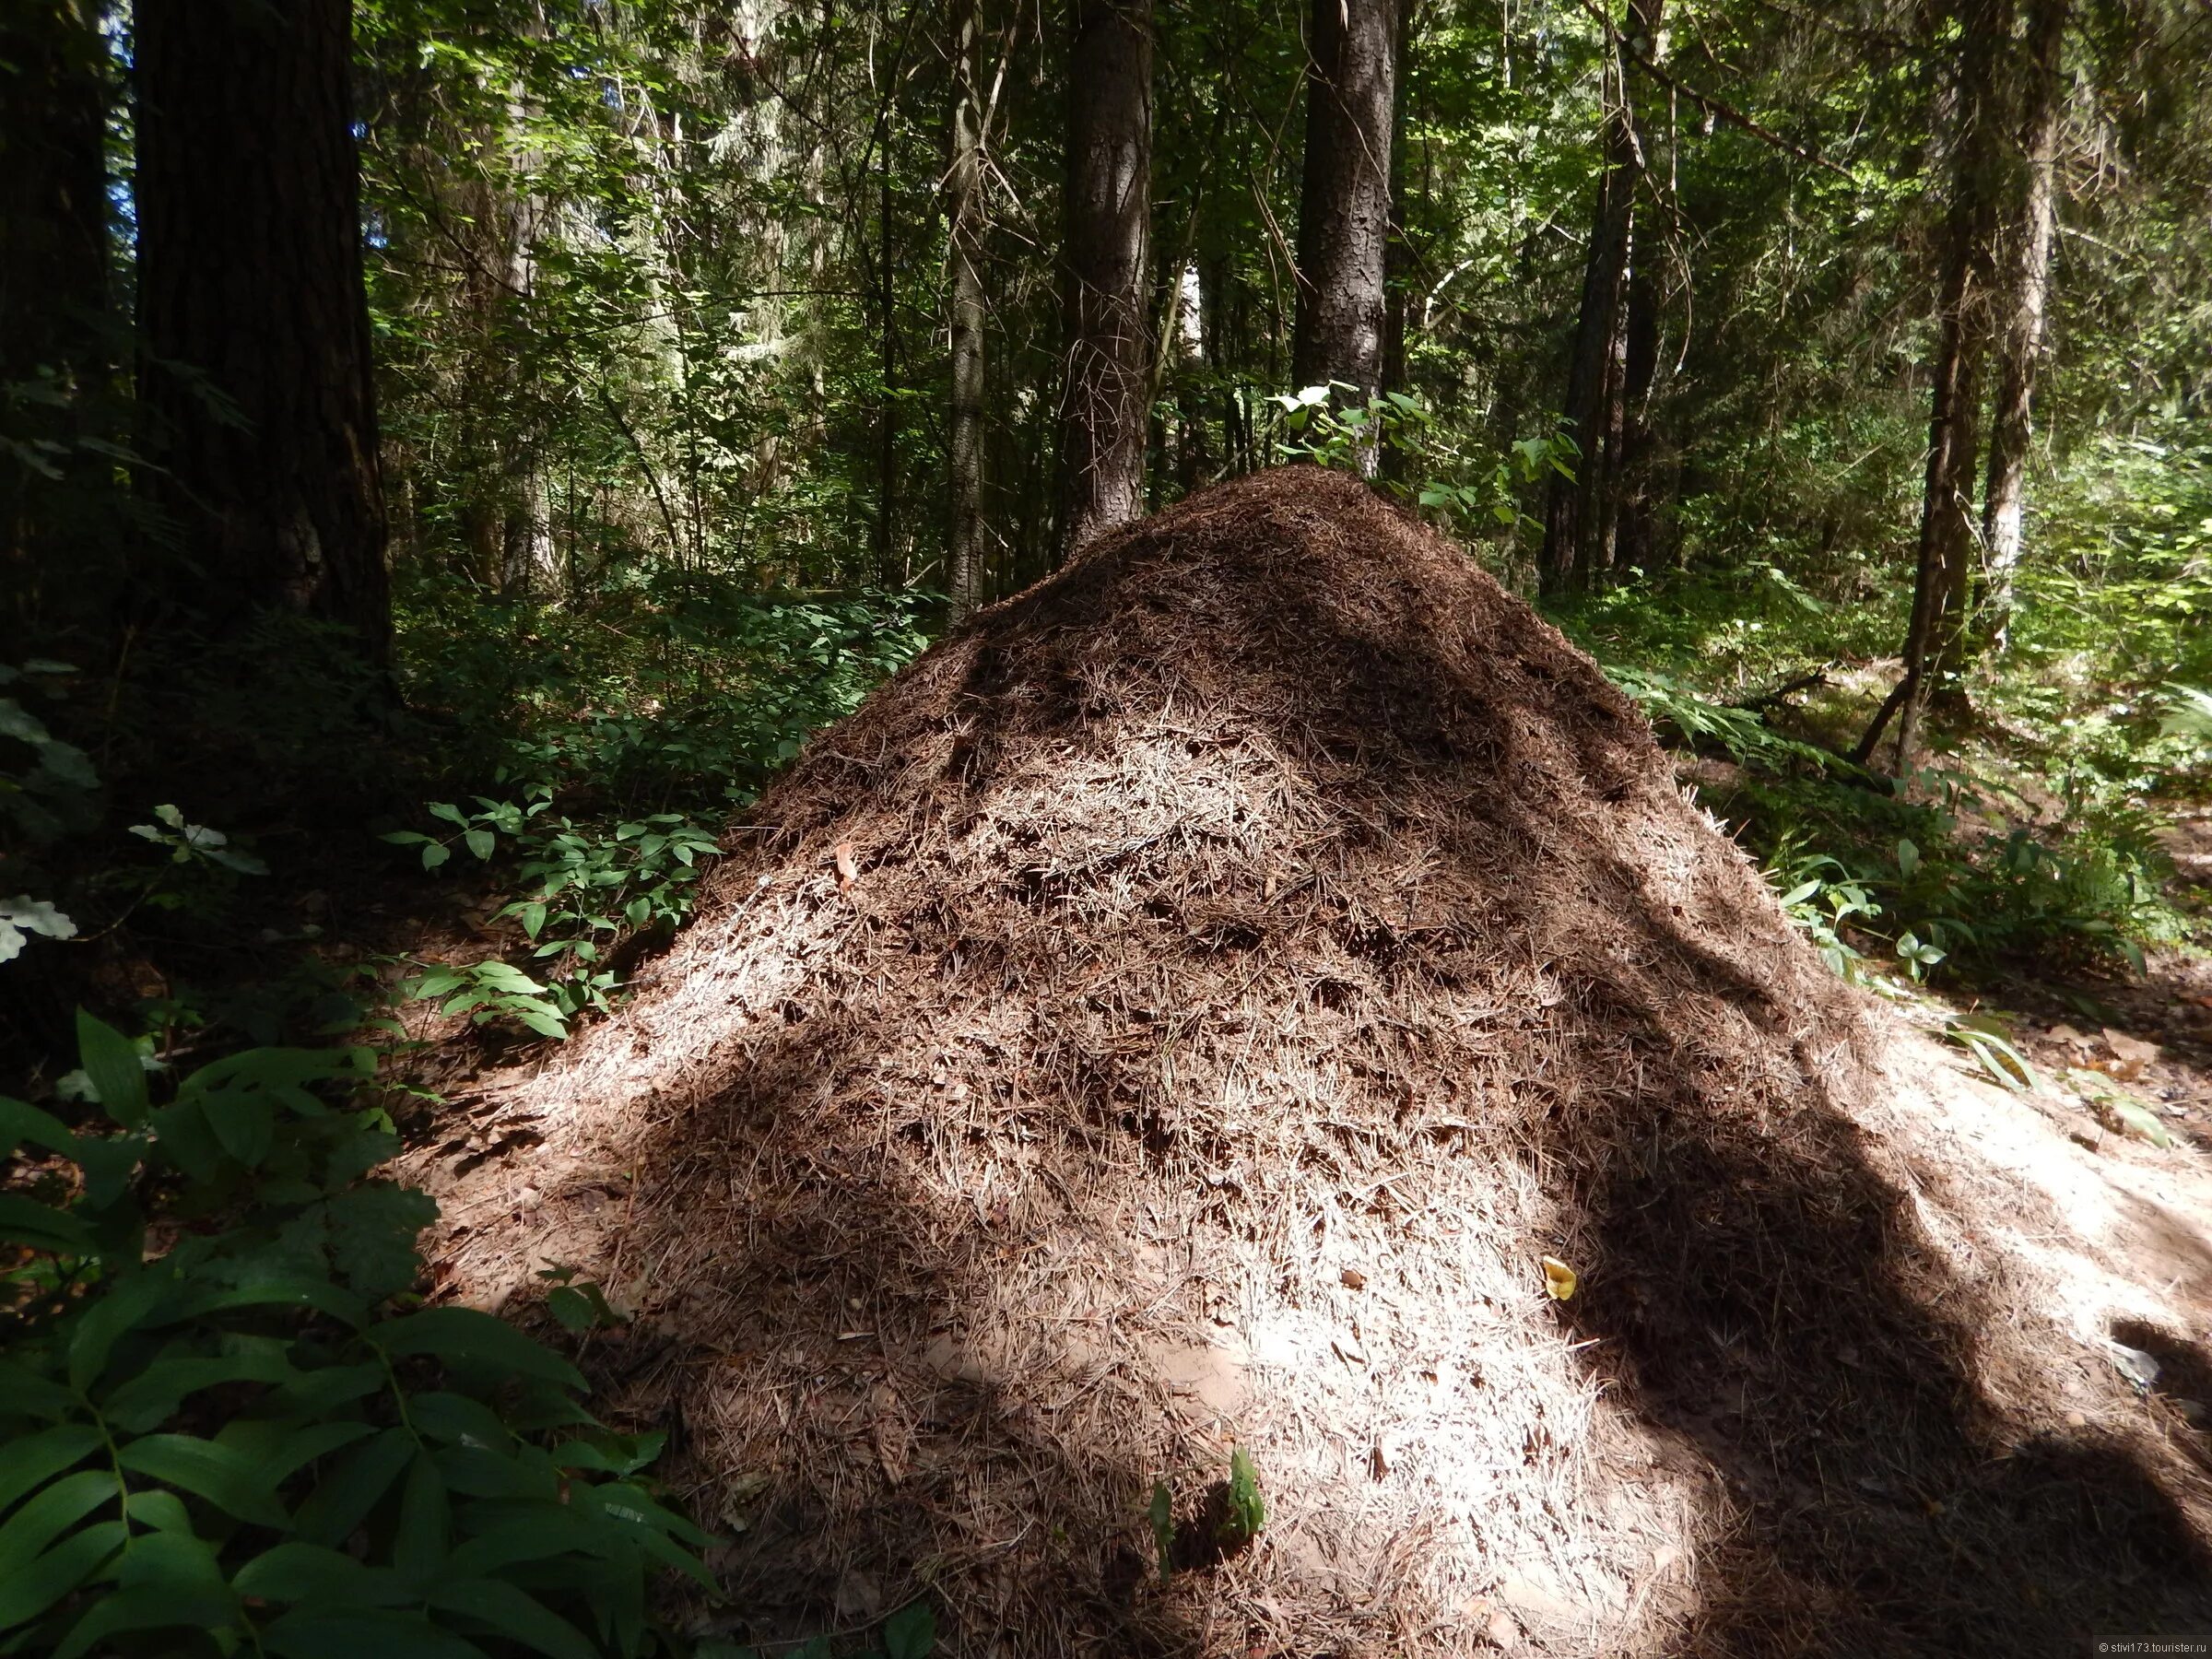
146	1607
120	1309
29	1592
520	1533
911	1632
226	1477
478	1472
343	1498
362	1633
26	1394
296	1290
468	1336
480	842
294	1571
34	1459
280	1450
156	1508
42	1226
456	1420
507	1611
426	1521
111	1060
50	1512
147	1398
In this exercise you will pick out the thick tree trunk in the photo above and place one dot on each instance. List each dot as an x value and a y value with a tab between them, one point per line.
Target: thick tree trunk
964	209
53	289
1582	515
255	369
1343	205
2020	329
1947	545
1109	218
1398	254
53	203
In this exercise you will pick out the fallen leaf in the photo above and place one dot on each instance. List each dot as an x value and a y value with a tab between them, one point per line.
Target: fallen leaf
1558	1278
847	871
2132	1051
2067	1033
1353	1278
2128	1117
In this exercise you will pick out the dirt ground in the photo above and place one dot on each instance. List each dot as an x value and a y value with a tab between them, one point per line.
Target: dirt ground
1181	1012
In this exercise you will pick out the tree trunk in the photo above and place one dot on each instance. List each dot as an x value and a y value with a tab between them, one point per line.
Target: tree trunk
255	365
1108	229
1581	516
1344	204
964	209
1946	524
1398	254
2027	282
53	295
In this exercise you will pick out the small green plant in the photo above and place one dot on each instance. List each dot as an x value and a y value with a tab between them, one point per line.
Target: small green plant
1988	1038
577	1304
1162	1515
1823	901
497	990
1245	1511
196	843
231	1430
585	890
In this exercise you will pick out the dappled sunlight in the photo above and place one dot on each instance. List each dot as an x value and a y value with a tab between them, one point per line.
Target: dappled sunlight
1250	952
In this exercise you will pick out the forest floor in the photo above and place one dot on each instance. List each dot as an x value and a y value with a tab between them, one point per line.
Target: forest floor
1178	1016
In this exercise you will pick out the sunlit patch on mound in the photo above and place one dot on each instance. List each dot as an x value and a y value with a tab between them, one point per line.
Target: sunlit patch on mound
1176	1018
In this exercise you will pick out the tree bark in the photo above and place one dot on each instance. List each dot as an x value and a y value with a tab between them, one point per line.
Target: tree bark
54	318
1395	461
54	205
1583	514
255	320
1108	215
1947	546
964	210
252	310
2020	331
1344	204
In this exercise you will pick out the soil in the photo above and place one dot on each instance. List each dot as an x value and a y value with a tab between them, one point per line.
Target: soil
1180	1013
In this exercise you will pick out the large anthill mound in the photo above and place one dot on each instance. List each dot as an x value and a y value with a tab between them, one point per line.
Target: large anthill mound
1178	1012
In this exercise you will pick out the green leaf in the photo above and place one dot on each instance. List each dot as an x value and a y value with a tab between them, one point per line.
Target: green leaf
146	1607
455	1419
42	1226
111	1060
426	1521
208	1469
51	1513
281	1449
480	842
29	1592
509	1612
465	1336
435	853
37	1458
120	1308
362	1633
342	1499
150	1397
26	1394
294	1571
911	1632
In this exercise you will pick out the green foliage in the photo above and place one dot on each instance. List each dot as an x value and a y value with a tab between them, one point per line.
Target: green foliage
229	1429
1245	1511
1162	1514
